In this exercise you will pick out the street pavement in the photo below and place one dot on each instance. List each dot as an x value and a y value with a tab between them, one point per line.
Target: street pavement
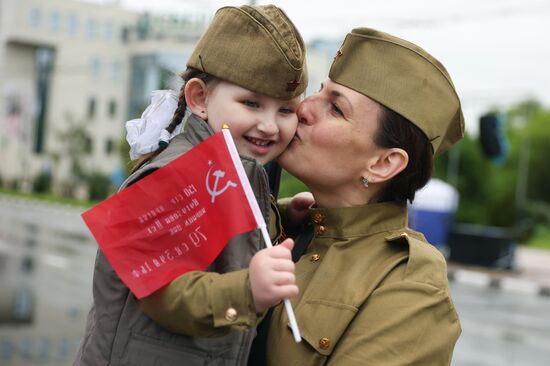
530	276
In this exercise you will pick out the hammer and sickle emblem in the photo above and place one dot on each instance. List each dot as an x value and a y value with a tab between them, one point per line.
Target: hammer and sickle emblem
214	192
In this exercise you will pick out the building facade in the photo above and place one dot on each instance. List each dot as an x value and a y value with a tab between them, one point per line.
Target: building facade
69	74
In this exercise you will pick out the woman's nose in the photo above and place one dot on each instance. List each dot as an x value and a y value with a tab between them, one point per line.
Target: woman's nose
304	111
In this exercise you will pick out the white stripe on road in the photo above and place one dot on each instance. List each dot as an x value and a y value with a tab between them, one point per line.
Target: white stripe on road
519	286
472	278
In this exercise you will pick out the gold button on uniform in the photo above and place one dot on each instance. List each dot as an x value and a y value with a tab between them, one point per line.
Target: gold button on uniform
231	314
324	343
318	217
315	257
321	230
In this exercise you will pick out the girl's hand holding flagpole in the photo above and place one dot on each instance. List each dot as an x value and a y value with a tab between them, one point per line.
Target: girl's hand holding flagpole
259	219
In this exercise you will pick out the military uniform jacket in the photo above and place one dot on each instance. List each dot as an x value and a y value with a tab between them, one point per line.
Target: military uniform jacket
119	333
372	292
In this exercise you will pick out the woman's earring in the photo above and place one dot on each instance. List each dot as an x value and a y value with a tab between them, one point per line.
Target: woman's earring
365	182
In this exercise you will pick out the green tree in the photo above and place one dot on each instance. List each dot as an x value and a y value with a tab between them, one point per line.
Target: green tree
532	139
124	153
99	186
76	143
489	192
290	185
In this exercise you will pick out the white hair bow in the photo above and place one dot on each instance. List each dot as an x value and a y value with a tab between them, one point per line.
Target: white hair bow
143	134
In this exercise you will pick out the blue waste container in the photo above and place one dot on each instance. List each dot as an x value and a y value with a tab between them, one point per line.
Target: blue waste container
432	212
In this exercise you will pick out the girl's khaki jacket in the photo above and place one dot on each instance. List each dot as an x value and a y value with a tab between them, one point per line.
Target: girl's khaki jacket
119	333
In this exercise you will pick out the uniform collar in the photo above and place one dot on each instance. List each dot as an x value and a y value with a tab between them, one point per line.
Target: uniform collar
346	222
196	130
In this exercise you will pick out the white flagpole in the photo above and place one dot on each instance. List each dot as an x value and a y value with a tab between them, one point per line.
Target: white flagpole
259	219
288	306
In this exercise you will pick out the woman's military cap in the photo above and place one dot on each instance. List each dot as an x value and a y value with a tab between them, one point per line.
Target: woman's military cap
403	77
255	47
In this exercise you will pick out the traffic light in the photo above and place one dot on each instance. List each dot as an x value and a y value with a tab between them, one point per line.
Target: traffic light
492	137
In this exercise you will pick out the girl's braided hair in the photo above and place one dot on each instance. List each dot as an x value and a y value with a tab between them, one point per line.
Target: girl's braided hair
179	113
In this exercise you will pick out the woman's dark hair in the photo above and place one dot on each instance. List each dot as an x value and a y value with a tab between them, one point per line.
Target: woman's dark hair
179	113
394	130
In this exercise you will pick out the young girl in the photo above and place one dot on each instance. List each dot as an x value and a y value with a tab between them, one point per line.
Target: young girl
248	71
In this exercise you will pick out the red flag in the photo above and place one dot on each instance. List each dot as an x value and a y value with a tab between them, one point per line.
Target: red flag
177	219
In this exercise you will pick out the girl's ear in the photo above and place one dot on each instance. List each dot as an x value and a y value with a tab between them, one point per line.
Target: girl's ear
196	92
387	165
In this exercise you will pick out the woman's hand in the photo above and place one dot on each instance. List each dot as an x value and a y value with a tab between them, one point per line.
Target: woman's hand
298	208
271	274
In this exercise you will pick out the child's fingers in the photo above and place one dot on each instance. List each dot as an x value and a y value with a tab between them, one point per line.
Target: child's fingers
281	251
287	243
286	291
283	265
283	278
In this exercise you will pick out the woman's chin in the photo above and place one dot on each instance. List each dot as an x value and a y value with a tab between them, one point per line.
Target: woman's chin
285	159
291	163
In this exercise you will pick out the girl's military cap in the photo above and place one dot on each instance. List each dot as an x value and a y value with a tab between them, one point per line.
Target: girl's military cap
255	47
404	78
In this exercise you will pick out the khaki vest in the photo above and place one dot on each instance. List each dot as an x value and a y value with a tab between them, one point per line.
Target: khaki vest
118	333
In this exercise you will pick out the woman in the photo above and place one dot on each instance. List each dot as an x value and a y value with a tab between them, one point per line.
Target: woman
372	291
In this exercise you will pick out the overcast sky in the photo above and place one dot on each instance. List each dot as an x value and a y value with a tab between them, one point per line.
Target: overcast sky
497	51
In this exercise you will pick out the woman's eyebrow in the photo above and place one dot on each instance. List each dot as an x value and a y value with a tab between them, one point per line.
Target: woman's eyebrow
337	94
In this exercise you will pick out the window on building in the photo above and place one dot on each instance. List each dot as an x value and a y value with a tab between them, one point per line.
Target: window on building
54	21
125	34
72	24
109	146
108	31
116	71
91	29
35	17
112	108
92	106
44	65
95	68
88	145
